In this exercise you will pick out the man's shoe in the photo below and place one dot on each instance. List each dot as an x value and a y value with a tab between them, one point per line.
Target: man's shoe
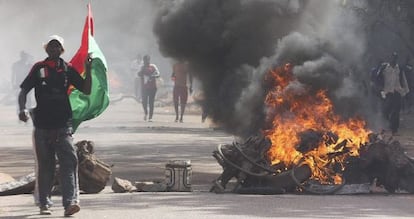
145	118
49	203
45	210
72	209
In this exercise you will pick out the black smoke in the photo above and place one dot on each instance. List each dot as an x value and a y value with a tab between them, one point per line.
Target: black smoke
231	44
224	42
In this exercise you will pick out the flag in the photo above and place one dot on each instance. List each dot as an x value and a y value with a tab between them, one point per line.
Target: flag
86	107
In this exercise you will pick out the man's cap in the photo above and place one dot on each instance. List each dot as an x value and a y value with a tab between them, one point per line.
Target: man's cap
57	38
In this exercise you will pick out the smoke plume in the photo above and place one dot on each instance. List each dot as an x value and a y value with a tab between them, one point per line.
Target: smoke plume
232	44
224	42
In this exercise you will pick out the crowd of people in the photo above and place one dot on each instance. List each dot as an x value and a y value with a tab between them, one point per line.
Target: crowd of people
392	83
52	117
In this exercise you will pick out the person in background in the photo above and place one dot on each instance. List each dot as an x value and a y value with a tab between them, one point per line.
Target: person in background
135	66
52	135
18	73
393	86
20	69
180	90
148	74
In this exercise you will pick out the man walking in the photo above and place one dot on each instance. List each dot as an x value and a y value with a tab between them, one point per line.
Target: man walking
52	116
148	74
180	90
394	86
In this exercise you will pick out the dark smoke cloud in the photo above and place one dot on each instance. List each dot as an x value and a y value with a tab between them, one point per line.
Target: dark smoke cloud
224	42
332	45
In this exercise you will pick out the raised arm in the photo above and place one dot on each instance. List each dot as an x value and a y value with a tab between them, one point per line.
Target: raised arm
87	85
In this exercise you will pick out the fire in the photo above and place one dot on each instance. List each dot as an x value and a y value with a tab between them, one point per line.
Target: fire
295	114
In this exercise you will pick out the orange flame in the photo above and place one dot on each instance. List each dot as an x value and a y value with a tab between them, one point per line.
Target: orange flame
293	113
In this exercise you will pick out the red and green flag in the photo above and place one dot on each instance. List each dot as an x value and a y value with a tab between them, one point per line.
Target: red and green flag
86	107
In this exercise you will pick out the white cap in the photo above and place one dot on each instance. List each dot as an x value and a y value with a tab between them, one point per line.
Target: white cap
57	38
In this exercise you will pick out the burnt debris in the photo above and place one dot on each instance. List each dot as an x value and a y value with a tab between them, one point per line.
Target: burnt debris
246	169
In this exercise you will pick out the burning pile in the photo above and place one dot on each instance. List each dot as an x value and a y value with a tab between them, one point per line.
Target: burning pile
305	130
305	144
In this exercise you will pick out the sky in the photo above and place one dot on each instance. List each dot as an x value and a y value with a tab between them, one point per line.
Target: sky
123	30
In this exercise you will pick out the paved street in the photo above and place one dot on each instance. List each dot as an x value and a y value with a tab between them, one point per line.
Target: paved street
139	151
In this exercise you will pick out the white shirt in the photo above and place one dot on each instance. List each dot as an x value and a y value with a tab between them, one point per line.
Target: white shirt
392	80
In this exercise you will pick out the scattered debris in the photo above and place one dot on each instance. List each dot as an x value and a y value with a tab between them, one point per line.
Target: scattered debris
177	179
121	186
380	163
94	174
24	185
151	186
